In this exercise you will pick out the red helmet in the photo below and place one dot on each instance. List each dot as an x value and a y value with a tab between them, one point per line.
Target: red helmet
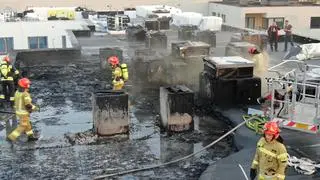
24	83
6	59
251	50
272	128
113	60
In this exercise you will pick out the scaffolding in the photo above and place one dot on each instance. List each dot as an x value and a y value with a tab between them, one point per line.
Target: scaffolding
299	107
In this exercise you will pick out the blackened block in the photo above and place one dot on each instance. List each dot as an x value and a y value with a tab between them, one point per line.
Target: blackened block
228	67
152	24
187	32
248	90
176	108
105	53
207	37
139	53
92	28
156	40
110	112
217	91
82	33
164	23
150	70
190	49
135	33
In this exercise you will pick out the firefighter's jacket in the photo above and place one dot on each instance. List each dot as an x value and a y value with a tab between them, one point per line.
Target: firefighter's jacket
270	159
7	71
21	101
116	72
121	71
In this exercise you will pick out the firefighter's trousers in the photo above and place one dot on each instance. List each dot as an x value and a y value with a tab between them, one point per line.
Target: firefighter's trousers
7	90
23	127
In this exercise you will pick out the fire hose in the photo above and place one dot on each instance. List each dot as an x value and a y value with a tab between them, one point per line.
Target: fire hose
303	165
256	124
177	160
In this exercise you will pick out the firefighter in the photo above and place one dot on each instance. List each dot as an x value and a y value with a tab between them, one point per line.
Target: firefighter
271	157
261	64
123	68
23	107
118	82
8	75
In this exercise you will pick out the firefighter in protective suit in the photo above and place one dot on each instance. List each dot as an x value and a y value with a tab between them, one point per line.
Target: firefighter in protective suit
123	68
8	75
23	107
270	159
261	64
117	82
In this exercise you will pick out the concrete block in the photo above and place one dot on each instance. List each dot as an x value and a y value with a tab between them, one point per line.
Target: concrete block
29	58
156	40
176	108
110	112
207	37
136	33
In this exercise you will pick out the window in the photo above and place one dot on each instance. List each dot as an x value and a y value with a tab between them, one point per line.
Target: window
250	22
223	16
6	44
265	23
218	14
315	23
214	14
38	42
279	21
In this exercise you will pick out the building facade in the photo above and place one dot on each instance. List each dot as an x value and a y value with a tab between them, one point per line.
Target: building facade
304	17
37	35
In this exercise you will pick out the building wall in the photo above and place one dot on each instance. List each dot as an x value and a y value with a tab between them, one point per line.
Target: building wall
258	19
54	30
200	6
234	15
298	16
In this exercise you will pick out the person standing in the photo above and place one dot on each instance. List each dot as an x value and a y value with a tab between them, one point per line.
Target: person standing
261	64
288	35
271	158
273	36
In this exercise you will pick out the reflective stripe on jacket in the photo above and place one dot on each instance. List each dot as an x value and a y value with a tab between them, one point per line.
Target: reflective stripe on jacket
7	71
21	99
270	159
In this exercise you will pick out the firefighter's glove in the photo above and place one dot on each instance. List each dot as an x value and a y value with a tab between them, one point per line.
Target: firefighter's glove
253	173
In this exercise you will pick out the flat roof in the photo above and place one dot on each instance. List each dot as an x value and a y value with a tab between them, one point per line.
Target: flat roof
258	4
